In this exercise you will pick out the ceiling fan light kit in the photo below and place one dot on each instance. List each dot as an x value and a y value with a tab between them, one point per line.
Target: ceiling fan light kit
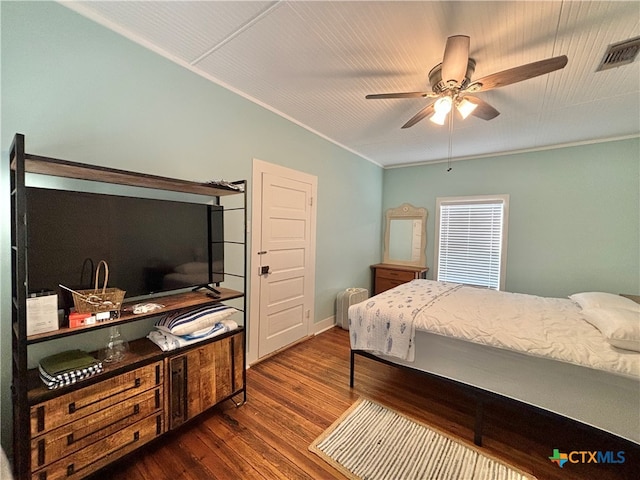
451	84
465	107
442	107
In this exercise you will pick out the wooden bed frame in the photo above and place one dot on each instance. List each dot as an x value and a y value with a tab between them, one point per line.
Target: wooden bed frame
596	398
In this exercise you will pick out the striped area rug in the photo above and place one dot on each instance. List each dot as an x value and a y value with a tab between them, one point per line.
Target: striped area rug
371	442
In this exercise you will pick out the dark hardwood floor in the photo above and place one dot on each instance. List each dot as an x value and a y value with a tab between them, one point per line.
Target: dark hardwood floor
297	394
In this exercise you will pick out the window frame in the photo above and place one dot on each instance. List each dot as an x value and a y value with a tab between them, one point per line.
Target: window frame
476	199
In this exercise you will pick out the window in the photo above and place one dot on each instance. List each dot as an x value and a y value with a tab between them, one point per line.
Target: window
471	240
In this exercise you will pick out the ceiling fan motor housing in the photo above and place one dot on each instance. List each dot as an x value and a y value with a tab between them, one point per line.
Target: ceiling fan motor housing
440	86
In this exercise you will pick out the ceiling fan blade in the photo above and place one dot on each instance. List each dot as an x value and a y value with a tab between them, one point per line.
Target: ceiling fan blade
425	112
518	74
400	95
483	110
456	58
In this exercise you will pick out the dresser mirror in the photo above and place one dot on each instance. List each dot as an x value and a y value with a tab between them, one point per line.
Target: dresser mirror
405	236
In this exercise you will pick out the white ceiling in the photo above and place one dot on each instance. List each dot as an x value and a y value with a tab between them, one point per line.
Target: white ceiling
314	62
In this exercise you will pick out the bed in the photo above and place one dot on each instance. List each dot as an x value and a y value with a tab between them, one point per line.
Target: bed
560	355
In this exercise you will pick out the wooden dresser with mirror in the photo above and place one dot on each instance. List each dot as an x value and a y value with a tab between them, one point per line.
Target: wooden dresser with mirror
405	241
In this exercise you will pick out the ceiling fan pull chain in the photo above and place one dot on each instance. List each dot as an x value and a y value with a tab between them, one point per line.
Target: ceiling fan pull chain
451	115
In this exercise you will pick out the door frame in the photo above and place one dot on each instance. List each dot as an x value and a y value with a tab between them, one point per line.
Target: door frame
260	167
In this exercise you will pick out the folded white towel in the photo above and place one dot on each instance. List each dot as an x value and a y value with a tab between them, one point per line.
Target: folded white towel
167	341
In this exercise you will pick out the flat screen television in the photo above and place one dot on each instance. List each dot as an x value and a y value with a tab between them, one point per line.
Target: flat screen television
150	245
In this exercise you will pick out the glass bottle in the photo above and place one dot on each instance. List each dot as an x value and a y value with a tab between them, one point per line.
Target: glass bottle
117	346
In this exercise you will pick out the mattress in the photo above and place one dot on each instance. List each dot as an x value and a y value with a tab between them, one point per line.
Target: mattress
551	328
597	398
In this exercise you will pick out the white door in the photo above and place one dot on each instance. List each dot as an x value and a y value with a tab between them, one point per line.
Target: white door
285	257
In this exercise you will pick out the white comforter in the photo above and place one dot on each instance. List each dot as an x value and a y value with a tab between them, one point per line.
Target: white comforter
545	327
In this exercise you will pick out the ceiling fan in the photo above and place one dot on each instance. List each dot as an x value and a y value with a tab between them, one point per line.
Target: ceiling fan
451	84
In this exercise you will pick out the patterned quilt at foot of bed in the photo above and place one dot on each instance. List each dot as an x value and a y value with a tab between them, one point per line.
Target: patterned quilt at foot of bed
384	324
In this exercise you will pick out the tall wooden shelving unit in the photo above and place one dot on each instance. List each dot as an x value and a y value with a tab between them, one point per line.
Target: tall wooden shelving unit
27	389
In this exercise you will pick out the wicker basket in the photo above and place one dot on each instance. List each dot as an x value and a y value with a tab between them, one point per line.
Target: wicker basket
99	300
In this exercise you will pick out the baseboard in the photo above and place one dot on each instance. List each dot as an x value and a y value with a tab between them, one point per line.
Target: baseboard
323	325
316	329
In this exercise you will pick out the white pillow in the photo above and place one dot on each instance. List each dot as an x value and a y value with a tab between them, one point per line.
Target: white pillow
185	322
604	300
621	327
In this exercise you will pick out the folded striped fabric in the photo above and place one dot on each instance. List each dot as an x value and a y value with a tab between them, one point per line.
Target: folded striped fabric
68	367
69	378
167	341
188	321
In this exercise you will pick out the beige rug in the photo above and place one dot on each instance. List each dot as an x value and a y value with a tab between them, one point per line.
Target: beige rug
372	442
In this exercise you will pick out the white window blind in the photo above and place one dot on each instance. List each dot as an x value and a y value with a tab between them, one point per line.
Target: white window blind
472	241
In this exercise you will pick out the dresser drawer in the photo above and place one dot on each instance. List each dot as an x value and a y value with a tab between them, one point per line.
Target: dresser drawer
74	436
95	456
80	403
384	284
386	276
401	275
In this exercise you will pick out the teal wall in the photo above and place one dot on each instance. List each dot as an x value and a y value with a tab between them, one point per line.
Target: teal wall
83	93
574	220
80	92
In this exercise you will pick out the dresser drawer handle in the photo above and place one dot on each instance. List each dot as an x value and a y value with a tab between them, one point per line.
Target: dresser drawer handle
72	406
41	452
71	467
136	411
40	415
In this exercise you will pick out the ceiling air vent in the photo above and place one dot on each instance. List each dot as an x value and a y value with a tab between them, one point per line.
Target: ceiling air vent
619	54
